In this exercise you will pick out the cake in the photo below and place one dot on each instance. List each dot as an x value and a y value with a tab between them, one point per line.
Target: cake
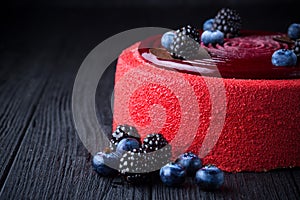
235	110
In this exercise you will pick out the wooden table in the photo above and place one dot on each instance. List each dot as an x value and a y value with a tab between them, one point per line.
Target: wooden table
42	156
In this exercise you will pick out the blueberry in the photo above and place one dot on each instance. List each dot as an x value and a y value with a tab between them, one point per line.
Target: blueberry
172	174
190	162
208	24
284	57
127	144
205	37
294	31
210	177
167	39
212	37
106	164
217	37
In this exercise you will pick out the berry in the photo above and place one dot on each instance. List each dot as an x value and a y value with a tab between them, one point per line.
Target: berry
294	31
132	164
210	177
106	164
167	39
212	37
296	48
123	131
190	162
228	21
208	24
153	143
186	43
127	144
172	174
284	57
155	160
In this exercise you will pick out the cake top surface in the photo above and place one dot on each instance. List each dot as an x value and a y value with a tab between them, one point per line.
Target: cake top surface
245	57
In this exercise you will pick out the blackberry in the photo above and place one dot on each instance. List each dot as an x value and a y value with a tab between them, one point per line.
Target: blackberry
151	144
132	165
185	43
228	21
296	48
123	131
154	142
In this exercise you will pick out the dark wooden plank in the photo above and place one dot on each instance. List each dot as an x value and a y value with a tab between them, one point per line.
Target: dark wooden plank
270	185
104	95
23	75
296	177
276	184
25	52
52	162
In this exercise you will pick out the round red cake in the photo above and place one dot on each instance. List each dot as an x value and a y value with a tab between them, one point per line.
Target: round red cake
235	109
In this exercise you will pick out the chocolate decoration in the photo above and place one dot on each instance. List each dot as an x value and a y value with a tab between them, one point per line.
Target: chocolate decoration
284	39
161	53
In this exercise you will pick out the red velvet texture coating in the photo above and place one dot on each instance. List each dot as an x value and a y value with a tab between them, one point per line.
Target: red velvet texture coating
236	124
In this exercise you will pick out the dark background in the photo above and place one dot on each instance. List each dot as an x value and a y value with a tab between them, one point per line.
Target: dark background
92	3
123	14
35	22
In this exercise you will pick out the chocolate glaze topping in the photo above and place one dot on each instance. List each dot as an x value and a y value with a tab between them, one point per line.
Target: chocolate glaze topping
245	57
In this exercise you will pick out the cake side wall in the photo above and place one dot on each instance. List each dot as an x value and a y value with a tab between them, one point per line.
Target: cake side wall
260	130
